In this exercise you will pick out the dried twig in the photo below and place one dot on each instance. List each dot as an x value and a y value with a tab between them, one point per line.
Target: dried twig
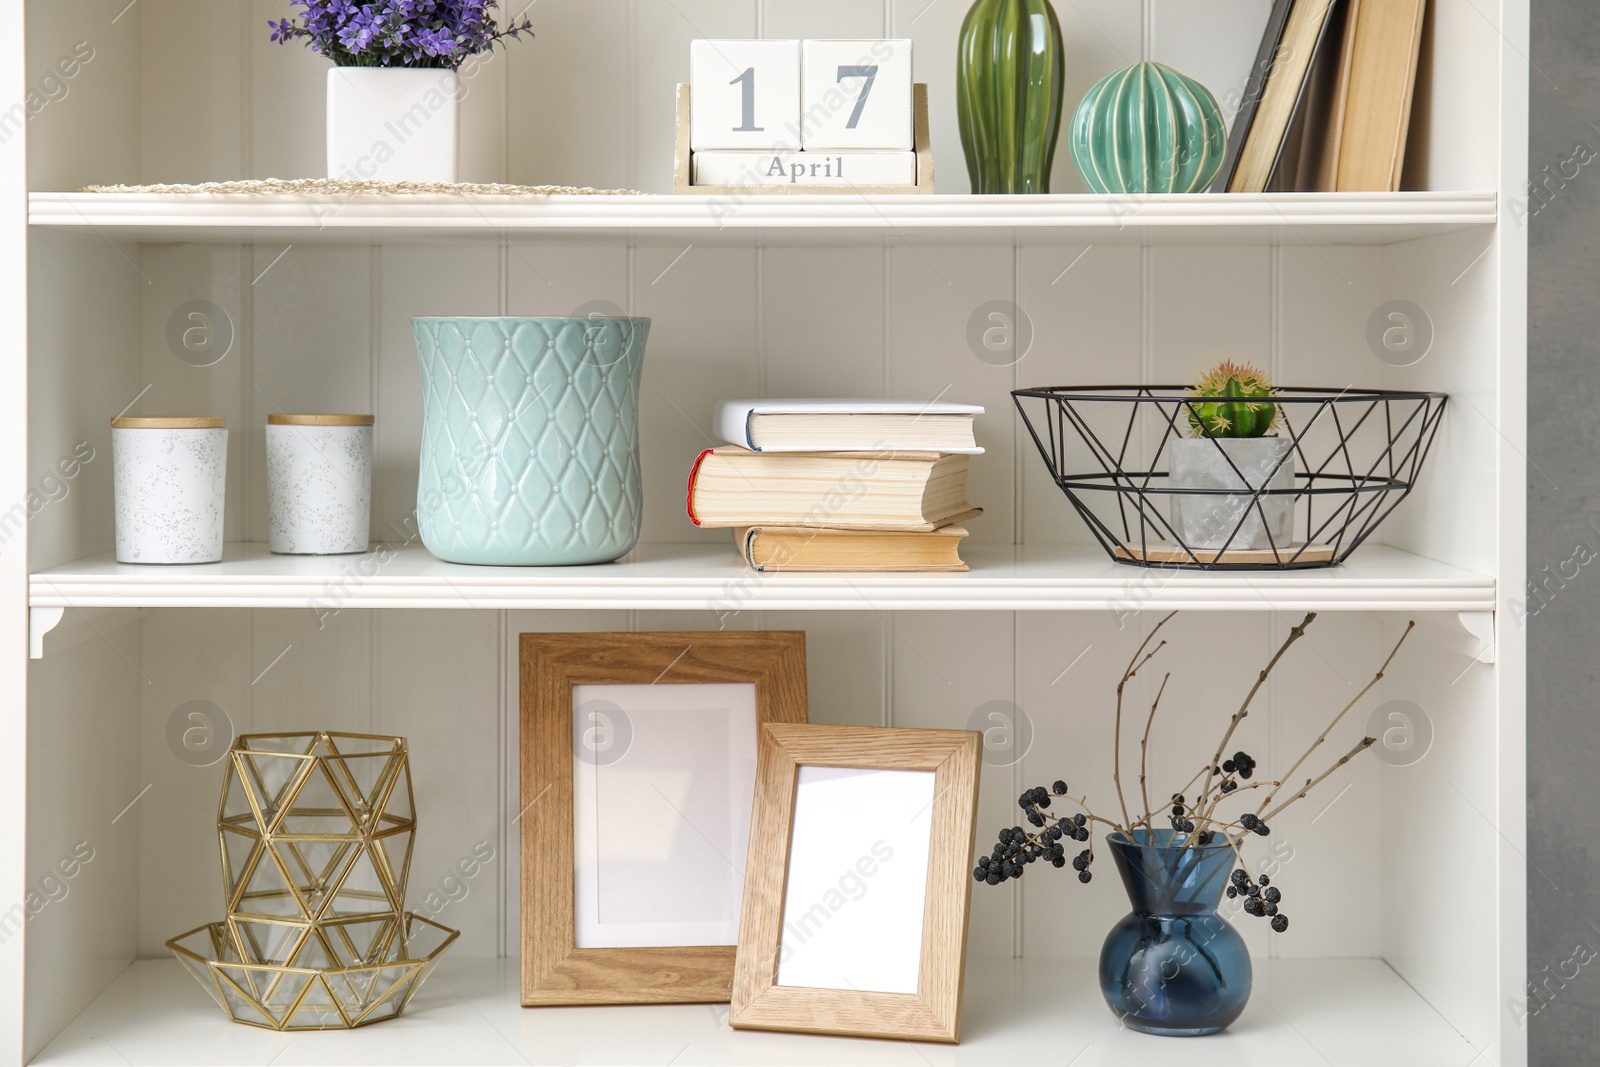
1244	709
1134	666
1311	783
1376	678
1144	752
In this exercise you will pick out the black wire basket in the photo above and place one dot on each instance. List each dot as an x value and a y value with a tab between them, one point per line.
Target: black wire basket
1153	495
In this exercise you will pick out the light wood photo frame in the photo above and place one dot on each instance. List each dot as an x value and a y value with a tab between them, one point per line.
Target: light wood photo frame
904	785
648	676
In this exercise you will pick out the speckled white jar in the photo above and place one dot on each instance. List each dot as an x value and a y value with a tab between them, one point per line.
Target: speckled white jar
319	483
171	489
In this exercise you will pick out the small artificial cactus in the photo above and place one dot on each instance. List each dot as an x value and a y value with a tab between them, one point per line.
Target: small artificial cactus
1232	403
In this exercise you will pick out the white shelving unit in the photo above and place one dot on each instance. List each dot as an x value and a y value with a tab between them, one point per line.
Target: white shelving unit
1408	888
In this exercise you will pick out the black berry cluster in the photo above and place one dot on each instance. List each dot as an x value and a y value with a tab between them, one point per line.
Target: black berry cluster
1261	898
1243	764
1180	822
1016	848
1254	824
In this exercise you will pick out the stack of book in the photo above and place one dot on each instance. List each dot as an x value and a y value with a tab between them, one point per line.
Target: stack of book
839	485
1327	105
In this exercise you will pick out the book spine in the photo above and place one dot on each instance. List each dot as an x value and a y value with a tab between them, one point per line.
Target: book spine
747	545
694	475
733	424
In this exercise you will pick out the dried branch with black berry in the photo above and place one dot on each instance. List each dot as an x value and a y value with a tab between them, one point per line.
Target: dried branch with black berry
1197	823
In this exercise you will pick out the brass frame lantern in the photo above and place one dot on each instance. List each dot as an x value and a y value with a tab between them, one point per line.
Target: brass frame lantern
315	832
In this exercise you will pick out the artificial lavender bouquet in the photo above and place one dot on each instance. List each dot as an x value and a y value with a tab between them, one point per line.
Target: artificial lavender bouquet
397	33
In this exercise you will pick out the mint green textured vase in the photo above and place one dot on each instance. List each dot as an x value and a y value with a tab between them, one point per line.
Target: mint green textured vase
1008	94
530	439
1148	129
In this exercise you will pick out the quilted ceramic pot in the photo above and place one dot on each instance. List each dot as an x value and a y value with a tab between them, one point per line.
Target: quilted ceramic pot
530	439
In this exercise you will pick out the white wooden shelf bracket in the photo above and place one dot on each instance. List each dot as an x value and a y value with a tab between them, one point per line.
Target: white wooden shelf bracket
1480	626
40	622
1469	633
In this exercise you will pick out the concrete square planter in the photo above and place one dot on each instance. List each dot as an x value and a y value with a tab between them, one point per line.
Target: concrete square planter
1216	465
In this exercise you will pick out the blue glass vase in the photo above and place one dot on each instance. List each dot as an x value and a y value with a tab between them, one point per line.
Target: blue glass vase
530	439
1173	966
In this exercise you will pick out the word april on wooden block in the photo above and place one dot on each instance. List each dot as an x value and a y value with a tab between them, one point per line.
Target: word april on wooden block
845	169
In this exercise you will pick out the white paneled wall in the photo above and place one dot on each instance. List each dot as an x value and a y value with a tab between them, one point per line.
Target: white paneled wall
327	328
447	681
590	100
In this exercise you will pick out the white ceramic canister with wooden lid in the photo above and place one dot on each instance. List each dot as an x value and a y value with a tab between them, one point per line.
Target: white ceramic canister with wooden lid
170	477
319	483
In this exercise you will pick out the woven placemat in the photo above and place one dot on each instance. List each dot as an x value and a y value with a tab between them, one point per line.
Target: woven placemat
357	187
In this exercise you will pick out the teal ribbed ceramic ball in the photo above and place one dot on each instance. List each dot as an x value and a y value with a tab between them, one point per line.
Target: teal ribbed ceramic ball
1148	129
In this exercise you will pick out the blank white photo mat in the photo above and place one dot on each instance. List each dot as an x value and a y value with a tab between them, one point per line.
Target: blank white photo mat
858	880
663	779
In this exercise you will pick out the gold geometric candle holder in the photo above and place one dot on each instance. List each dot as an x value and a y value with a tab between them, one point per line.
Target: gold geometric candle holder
315	832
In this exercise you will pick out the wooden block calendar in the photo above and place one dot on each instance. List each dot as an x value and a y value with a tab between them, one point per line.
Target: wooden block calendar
816	116
772	171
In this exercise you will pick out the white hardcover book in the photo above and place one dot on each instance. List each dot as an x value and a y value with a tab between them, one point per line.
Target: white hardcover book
849	425
802	169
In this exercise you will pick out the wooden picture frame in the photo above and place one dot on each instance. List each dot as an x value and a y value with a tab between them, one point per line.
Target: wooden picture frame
933	1012
555	971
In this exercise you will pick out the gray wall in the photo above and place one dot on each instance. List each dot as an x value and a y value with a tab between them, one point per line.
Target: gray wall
1564	443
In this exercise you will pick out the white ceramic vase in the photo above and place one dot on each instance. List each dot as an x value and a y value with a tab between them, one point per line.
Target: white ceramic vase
1227	515
319	483
394	124
171	489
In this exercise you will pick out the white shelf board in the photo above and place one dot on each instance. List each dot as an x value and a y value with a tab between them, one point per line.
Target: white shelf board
694	577
1288	218
1334	1013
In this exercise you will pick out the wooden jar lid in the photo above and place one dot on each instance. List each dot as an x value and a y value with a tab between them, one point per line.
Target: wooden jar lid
319	420
136	423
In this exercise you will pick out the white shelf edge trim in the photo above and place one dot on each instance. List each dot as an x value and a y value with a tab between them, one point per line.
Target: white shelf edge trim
755	211
708	578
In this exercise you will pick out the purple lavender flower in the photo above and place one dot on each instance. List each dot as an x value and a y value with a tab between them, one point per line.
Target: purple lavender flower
397	33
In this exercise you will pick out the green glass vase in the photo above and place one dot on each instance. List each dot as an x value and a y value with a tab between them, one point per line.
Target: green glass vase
1148	129
1008	94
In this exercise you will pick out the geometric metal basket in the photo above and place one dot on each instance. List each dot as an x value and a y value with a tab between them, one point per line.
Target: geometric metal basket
377	984
315	832
1355	454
